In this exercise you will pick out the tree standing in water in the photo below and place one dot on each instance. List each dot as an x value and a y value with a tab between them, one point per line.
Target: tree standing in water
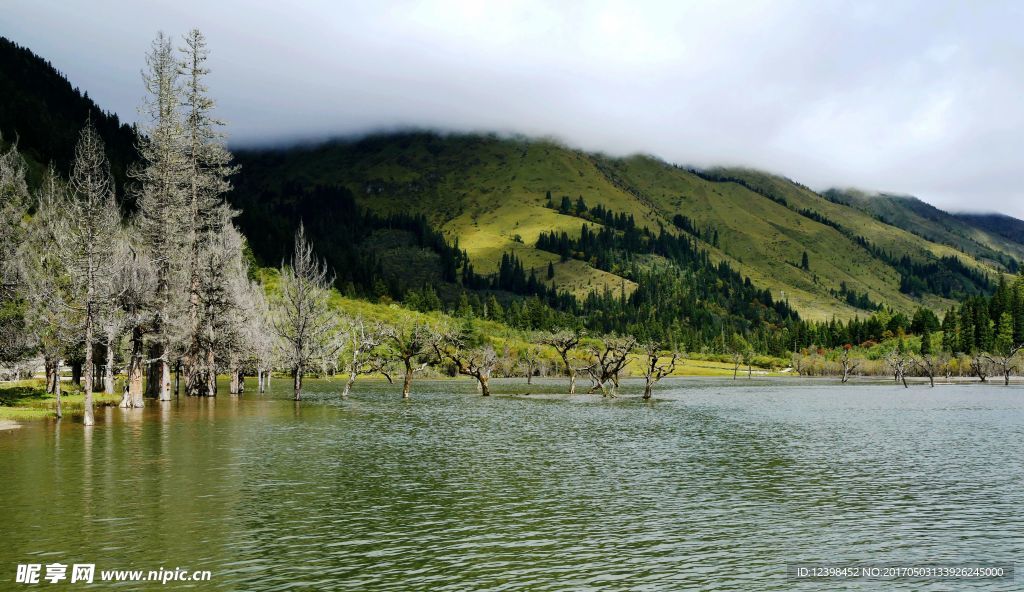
309	330
89	221
655	367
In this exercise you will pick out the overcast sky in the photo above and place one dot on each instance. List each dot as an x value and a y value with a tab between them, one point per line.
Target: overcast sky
924	98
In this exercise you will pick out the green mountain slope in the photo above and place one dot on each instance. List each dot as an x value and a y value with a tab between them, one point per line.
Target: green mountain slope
43	113
490	194
976	234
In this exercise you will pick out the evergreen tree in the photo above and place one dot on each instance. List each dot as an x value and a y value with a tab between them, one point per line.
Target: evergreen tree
926	343
805	262
1003	342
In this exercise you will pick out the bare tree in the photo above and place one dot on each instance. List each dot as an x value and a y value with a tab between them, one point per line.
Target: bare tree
363	352
979	366
411	343
655	366
85	232
14	204
52	318
849	365
930	365
162	203
207	167
529	360
477	361
897	361
609	357
134	285
1005	361
309	330
259	335
564	342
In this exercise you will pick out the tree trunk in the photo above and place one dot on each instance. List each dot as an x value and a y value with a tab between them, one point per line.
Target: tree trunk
76	372
233	378
572	381
348	384
49	366
210	373
931	380
88	417
133	387
56	387
750	372
163	376
407	383
177	379
297	382
529	375
484	389
735	370
846	374
108	369
648	389
1006	376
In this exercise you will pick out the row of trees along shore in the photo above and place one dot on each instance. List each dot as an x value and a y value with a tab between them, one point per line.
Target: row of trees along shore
171	277
169	289
981	337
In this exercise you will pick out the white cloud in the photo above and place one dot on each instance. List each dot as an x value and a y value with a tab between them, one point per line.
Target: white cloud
911	97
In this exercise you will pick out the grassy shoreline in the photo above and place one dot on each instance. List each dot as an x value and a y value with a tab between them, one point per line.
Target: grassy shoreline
26	400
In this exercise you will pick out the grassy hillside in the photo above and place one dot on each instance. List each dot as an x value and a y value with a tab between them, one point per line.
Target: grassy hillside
490	194
975	234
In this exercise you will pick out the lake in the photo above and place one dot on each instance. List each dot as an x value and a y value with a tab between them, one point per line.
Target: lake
716	484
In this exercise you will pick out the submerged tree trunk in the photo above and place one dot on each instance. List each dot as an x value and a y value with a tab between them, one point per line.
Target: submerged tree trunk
348	384
407	383
108	370
56	387
484	388
572	381
233	386
297	382
88	418
133	385
648	390
163	376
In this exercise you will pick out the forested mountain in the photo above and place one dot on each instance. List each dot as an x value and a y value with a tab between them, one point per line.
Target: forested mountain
497	195
43	113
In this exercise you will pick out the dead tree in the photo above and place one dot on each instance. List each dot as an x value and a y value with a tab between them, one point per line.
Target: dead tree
849	365
655	367
412	347
1005	362
609	358
979	367
529	360
363	353
929	365
477	362
897	361
564	342
308	329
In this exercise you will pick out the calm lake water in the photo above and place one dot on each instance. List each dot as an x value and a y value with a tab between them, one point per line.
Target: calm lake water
715	485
